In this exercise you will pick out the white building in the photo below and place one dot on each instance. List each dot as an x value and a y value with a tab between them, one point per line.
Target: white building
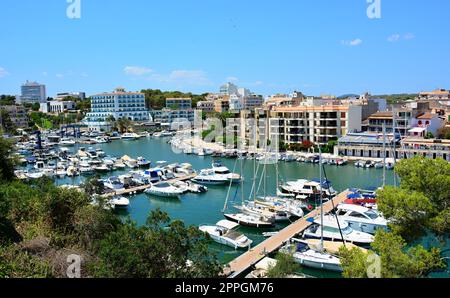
56	107
118	104
32	92
64	95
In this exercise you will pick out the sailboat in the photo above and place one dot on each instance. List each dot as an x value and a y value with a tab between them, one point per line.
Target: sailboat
248	217
310	255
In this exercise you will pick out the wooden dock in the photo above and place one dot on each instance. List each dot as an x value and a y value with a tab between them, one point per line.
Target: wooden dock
142	188
256	254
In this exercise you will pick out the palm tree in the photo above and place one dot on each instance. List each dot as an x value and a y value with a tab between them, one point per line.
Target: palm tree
124	125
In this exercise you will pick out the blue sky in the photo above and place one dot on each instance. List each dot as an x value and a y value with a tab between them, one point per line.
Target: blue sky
315	46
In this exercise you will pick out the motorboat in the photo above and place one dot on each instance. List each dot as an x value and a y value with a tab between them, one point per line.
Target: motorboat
130	136
165	190
309	188
250	220
142	162
113	183
196	188
102	168
119	203
129	162
67	142
100	152
119	165
220	169
211	178
332	231
34	174
224	232
360	218
308	256
72	171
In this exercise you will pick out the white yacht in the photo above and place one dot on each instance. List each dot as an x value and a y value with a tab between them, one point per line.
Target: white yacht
165	190
220	169
113	183
210	177
130	136
308	256
224	233
360	218
331	231
308	188
119	203
67	142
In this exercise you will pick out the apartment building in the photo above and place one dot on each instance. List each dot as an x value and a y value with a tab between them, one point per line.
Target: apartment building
206	106
170	116
63	95
17	114
318	124
117	104
441	95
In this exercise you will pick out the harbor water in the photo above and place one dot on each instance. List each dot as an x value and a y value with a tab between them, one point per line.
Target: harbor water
198	209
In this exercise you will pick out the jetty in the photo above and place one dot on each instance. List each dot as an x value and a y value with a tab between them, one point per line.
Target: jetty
259	252
142	188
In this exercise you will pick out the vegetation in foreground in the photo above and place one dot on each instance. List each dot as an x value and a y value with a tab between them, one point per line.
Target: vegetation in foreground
41	225
418	209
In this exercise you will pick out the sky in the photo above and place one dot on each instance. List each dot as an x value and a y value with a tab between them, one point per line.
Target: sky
314	46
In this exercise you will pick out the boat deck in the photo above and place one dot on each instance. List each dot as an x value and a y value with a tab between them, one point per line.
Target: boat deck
256	254
142	188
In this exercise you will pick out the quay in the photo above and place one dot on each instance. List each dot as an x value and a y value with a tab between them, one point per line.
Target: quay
256	254
142	188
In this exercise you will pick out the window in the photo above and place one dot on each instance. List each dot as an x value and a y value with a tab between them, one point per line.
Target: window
343	115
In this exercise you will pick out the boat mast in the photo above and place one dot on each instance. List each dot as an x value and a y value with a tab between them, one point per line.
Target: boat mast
395	144
321	201
384	155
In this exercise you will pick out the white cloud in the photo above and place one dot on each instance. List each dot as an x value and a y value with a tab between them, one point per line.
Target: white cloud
59	75
3	72
182	77
45	73
136	70
232	79
409	36
394	38
352	43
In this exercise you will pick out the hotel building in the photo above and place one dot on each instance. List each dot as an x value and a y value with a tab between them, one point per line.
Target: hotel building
179	103
118	104
32	92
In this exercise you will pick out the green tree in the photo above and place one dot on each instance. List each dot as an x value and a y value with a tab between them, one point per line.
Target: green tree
397	260
284	267
162	249
7	161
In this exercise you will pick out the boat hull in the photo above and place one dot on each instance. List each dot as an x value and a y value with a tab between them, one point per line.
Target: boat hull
249	224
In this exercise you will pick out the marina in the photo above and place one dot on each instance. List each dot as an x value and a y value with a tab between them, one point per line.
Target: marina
203	208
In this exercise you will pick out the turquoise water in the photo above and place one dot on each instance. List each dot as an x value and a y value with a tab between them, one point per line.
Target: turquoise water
207	208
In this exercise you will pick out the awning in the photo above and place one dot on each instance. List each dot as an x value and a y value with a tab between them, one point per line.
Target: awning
417	130
227	224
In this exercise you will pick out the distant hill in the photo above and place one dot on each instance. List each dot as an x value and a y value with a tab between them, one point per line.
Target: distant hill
397	98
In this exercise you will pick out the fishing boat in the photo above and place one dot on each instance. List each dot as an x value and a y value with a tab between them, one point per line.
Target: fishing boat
209	177
165	190
224	232
336	231
360	218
